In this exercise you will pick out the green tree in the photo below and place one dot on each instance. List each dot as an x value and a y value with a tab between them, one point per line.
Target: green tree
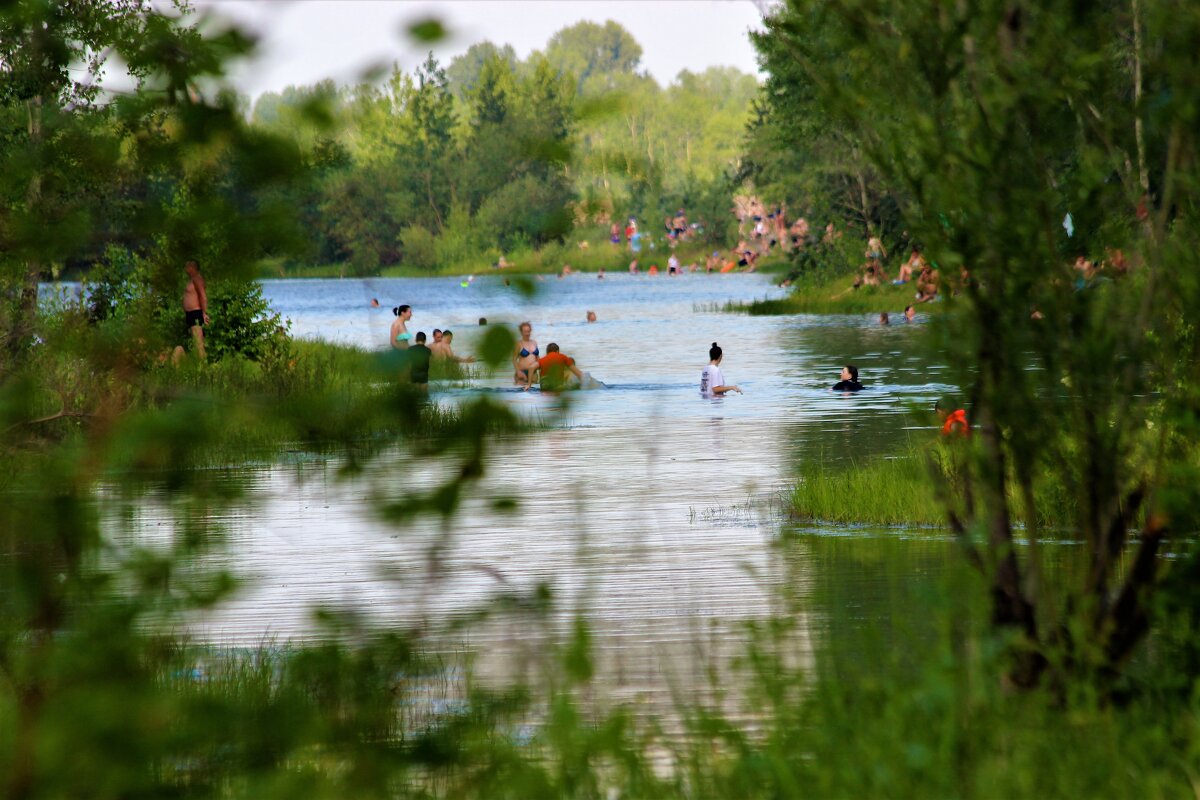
464	70
991	124
589	50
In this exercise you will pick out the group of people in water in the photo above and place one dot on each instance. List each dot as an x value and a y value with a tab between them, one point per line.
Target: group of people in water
420	355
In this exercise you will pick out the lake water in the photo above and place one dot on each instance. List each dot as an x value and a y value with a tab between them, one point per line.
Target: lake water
653	508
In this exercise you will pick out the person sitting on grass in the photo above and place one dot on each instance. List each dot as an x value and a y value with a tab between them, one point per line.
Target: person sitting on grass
927	284
849	381
954	423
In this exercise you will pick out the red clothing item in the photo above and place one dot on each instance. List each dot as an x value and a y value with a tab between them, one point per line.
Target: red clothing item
958	418
555	360
555	369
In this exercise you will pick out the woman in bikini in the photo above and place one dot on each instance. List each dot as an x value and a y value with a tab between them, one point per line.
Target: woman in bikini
525	355
400	335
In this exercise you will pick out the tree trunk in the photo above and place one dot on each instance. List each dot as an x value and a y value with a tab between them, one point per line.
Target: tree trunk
22	326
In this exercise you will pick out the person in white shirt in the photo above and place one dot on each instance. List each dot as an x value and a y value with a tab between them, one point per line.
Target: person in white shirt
712	382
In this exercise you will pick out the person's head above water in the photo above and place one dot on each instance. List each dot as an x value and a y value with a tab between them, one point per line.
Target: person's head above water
552	348
591	316
714	352
883	318
400	311
850	373
420	337
483	320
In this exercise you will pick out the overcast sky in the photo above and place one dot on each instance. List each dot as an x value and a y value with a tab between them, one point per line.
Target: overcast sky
304	41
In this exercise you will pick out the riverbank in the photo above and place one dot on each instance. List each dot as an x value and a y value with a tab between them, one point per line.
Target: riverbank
547	261
824	295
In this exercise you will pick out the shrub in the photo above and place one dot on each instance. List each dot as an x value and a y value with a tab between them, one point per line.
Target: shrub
242	321
419	247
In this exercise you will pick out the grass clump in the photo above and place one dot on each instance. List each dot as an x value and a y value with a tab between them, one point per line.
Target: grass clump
830	295
907	489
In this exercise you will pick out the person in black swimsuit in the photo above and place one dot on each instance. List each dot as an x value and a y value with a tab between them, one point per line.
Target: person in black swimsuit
849	381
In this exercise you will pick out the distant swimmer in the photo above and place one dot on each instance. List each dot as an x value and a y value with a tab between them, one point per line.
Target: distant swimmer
712	382
525	355
374	302
591	317
400	336
849	381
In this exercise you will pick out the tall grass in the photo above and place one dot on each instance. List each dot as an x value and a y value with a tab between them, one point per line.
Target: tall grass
899	696
908	489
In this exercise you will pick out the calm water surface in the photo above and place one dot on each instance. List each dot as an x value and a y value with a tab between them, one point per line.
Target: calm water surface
652	507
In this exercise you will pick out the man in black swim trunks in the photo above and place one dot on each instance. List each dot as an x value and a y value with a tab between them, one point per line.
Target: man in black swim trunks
195	305
849	381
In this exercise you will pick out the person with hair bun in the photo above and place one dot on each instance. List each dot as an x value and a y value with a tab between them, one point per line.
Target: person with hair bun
400	336
712	382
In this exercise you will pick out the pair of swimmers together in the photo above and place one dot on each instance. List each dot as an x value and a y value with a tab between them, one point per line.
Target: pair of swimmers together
552	371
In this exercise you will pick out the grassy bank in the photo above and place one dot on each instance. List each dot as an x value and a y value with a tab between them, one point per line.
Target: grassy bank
546	261
831	297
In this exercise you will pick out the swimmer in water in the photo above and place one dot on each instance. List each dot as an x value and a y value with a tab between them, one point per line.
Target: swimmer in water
444	348
525	355
400	335
591	317
554	368
712	382
849	381
374	302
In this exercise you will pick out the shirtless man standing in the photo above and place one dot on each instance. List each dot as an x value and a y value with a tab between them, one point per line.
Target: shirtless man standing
195	305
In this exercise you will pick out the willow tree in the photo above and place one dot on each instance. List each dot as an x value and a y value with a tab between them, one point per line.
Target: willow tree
1018	137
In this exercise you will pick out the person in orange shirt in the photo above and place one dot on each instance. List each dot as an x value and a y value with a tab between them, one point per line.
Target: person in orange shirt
554	368
954	423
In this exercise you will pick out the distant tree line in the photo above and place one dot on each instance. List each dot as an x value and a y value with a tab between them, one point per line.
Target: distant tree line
489	154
